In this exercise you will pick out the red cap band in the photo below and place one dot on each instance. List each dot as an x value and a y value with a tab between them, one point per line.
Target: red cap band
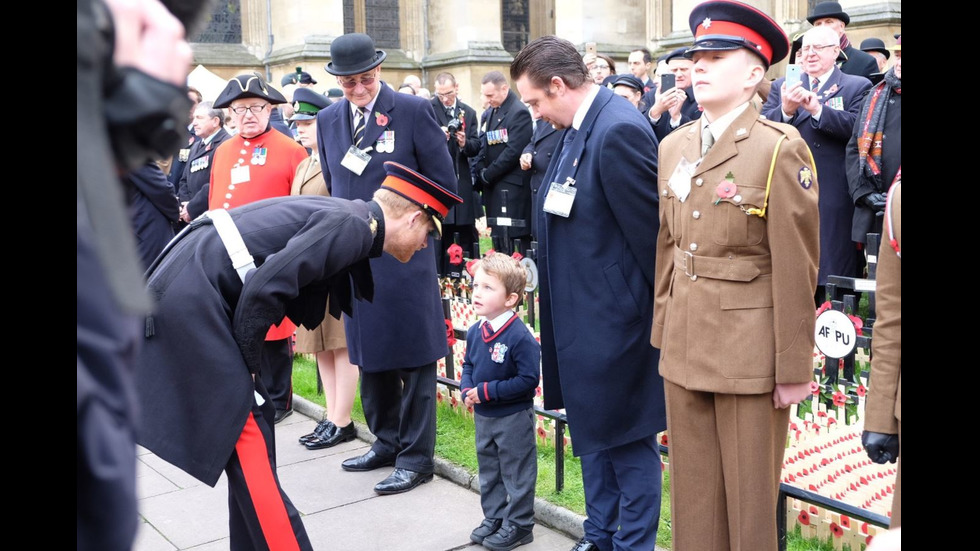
413	193
734	29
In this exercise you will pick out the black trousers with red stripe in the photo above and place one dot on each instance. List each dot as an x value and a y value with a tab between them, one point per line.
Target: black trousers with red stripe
260	515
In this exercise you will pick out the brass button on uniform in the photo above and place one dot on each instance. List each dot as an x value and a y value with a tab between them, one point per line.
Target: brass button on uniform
694	247
696	214
699	182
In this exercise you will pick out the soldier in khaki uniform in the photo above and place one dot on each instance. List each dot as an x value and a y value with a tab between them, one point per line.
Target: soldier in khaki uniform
883	413
736	270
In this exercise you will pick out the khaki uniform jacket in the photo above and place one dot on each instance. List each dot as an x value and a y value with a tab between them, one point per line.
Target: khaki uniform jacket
329	335
746	321
884	407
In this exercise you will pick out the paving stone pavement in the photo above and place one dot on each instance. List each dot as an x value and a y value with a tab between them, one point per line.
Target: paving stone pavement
340	509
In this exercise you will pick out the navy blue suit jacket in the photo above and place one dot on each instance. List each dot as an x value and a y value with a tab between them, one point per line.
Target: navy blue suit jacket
404	326
596	270
842	96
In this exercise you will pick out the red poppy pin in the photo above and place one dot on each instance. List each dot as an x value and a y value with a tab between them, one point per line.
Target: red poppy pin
450	333
381	119
836	530
455	254
803	518
726	188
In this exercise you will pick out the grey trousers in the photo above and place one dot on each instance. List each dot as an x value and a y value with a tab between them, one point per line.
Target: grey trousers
508	458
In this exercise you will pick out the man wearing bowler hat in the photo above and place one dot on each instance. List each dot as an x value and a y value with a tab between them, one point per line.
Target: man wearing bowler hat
876	48
397	339
736	269
220	284
257	163
851	60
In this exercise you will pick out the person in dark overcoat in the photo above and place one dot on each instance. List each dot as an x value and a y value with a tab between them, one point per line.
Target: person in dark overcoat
396	340
153	208
219	286
463	145
825	118
851	60
194	185
536	158
505	135
596	262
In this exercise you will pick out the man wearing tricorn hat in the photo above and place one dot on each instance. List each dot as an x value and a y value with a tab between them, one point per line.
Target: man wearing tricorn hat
736	269
396	340
220	284
852	60
257	163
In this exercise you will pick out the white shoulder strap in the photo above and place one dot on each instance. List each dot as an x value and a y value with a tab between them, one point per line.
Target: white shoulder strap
241	260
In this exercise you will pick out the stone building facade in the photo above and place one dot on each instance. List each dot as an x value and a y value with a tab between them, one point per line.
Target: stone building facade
471	37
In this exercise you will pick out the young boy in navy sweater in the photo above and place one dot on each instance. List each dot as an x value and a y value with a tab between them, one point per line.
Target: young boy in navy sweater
500	372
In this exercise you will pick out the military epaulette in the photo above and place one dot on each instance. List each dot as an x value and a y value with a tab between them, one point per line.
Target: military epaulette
787	130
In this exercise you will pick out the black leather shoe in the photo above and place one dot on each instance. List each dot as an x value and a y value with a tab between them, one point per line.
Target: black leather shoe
283	413
585	545
508	537
487	527
339	435
401	480
367	462
322	429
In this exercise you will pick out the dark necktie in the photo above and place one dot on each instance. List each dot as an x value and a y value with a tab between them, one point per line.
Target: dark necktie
814	84
566	148
359	127
450	112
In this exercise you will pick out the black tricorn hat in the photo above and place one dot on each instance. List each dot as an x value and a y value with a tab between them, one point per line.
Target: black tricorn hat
352	54
875	45
828	9
248	86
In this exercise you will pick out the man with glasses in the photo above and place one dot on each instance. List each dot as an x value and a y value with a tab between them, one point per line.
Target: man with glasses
397	339
464	144
850	59
823	107
257	163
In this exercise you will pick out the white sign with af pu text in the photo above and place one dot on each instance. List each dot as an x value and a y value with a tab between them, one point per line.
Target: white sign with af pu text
835	334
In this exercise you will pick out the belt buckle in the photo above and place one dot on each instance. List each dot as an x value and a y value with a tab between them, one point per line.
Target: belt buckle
689	266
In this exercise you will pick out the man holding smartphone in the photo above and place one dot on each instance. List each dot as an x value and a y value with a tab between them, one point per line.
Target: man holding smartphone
675	96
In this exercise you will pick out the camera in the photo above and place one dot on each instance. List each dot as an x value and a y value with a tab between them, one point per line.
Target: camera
453	126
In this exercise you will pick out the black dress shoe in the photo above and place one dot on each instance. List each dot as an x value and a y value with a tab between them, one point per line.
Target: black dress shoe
322	429
339	435
487	527
367	462
508	537
401	480
283	413
585	545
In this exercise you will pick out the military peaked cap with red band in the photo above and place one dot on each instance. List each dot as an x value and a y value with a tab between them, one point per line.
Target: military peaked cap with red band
729	25
434	199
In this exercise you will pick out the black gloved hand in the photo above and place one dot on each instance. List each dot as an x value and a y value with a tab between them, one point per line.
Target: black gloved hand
882	448
874	201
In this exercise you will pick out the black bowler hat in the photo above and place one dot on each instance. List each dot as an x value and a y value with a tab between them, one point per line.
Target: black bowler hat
630	81
875	45
434	199
306	104
729	25
352	54
828	9
248	86
674	54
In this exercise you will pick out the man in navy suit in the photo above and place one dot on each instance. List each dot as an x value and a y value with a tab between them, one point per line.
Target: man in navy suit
823	107
598	223
397	339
